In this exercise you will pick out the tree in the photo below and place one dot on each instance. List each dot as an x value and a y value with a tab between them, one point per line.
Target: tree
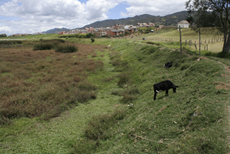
92	39
3	35
212	13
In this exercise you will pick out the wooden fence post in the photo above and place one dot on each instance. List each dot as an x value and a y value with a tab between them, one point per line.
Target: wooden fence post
199	42
180	41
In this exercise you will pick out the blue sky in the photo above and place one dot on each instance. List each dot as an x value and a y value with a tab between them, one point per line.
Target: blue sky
114	13
31	16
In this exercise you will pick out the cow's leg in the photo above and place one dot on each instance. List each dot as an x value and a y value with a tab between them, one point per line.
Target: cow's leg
166	93
155	95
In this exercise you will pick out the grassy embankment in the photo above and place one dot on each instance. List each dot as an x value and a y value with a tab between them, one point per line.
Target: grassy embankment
193	120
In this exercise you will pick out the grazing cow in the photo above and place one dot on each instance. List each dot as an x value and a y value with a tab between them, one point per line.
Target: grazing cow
168	65
164	85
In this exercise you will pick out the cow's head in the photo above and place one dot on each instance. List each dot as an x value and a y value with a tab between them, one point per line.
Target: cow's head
174	88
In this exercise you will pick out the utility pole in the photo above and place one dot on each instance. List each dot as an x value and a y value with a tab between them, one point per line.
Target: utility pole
180	41
199	42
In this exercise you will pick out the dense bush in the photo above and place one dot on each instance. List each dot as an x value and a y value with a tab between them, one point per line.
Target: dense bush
53	41
10	42
43	46
66	49
88	35
92	40
47	44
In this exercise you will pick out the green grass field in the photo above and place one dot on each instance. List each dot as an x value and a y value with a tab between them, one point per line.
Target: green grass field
211	39
123	118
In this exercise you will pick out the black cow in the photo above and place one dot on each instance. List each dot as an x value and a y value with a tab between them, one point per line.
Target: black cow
164	85
168	65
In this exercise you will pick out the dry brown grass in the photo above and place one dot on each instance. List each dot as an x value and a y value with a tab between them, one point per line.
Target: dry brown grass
44	83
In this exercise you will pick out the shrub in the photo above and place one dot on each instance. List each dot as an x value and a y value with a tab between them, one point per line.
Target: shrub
97	129
123	79
92	40
84	96
86	85
4	120
10	42
53	41
43	46
66	49
127	98
98	126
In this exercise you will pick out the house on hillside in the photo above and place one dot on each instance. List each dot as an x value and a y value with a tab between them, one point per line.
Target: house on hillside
130	29
115	32
100	32
183	24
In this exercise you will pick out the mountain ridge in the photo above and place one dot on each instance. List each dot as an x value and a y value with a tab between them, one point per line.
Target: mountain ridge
168	20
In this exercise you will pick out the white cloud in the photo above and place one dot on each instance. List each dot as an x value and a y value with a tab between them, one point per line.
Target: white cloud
29	16
97	9
4	29
153	7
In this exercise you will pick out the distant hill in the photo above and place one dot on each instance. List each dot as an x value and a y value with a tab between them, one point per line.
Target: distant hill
56	30
168	20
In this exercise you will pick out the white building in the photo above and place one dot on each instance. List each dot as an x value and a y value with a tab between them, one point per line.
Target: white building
183	24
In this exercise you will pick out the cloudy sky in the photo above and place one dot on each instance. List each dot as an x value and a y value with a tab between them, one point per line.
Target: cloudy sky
31	16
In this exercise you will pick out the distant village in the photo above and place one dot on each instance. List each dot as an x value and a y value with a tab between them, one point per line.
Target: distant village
116	30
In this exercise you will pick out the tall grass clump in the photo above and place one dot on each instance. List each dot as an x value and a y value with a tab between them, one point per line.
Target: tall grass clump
129	95
53	41
10	42
124	79
99	128
43	46
47	44
66	49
